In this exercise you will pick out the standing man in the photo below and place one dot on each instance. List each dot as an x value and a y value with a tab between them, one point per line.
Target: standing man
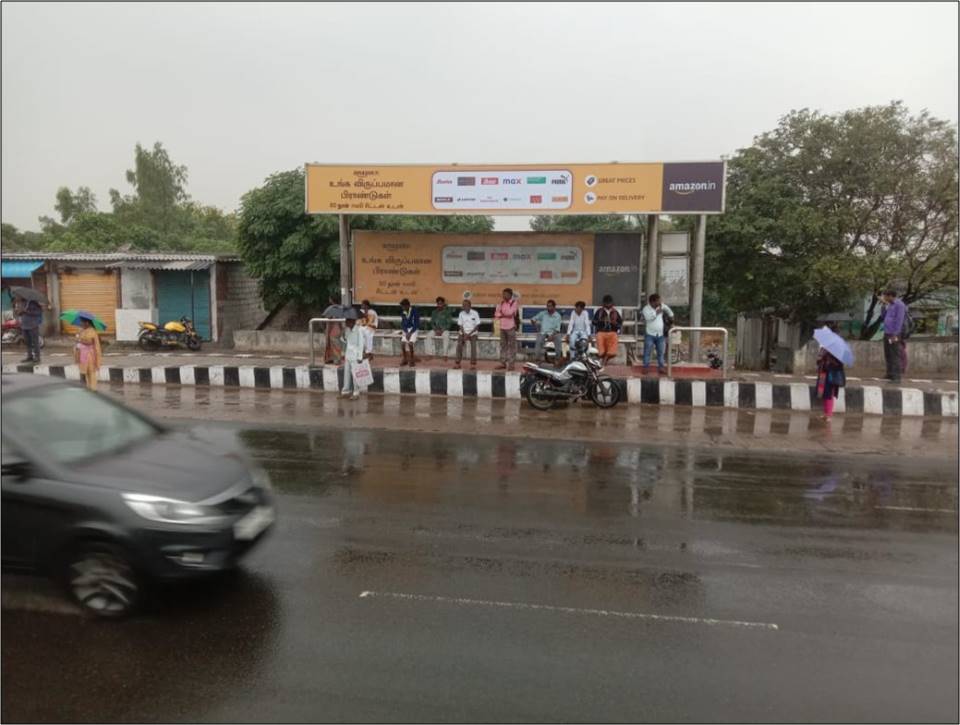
894	316
469	323
409	327
654	331
359	348
607	323
441	319
369	321
548	323
332	352
505	314
31	318
579	326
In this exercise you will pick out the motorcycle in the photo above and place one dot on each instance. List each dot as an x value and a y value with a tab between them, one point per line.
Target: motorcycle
173	334
582	377
12	334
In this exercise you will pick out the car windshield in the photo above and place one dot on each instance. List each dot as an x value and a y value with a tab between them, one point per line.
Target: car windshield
69	424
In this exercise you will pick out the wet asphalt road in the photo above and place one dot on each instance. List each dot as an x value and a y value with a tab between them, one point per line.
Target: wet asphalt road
436	577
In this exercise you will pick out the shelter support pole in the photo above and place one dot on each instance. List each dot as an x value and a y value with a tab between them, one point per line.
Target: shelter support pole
653	255
346	266
696	285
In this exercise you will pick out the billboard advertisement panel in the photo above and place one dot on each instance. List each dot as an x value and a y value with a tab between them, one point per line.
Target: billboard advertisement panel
614	188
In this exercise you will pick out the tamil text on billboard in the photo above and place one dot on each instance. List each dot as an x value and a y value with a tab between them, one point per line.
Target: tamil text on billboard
628	188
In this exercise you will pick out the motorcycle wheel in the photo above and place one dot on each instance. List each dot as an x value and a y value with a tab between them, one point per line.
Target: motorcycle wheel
149	343
605	393
535	398
193	343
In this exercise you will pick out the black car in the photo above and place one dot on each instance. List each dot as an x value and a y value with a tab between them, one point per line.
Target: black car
107	501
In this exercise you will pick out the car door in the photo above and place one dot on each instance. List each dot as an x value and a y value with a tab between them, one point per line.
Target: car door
19	544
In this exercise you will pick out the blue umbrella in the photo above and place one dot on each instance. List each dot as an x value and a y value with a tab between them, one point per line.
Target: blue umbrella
834	344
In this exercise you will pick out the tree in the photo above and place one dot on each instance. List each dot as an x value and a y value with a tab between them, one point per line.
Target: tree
586	223
13	240
159	190
70	204
297	256
826	209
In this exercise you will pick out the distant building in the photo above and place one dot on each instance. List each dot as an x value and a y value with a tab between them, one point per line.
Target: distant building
215	291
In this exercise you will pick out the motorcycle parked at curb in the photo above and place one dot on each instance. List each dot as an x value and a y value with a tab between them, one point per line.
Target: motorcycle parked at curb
173	334
580	378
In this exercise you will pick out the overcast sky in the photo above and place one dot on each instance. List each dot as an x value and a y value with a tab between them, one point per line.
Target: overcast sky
237	92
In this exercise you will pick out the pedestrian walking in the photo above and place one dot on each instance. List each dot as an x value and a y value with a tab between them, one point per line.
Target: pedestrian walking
369	321
549	323
506	315
469	323
87	353
656	315
579	327
894	318
441	320
333	352
607	323
359	347
409	329
31	319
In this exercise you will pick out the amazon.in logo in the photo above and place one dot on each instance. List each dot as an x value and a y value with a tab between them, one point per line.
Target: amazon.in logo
689	187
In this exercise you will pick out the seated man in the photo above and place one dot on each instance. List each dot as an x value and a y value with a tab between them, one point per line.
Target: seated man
548	323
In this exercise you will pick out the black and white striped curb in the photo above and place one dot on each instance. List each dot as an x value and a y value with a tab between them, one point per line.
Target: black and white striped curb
868	399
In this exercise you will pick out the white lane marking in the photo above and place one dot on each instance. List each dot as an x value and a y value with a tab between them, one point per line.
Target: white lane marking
158	375
484	384
634	390
912	508
331	381
567	610
799	396
391	380
948	405
668	392
698	393
454	383
422	381
248	378
731	395
188	375
872	400
912	401
276	377
513	385
764	396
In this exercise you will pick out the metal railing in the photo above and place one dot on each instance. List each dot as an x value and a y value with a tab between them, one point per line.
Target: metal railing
697	330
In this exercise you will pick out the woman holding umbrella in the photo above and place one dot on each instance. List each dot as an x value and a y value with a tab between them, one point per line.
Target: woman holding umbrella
834	354
86	352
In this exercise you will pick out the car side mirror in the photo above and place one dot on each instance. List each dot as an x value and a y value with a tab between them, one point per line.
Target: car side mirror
17	468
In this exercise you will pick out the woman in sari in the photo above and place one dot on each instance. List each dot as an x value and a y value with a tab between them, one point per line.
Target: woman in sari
87	352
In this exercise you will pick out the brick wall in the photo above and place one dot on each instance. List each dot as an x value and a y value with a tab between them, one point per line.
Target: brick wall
239	306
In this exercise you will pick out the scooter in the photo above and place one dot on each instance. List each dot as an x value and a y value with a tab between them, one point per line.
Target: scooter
173	334
12	334
582	377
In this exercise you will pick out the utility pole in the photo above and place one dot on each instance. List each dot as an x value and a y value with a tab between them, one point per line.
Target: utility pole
653	255
346	265
696	284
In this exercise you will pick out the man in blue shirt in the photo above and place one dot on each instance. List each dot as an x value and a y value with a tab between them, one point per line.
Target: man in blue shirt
894	315
409	325
548	323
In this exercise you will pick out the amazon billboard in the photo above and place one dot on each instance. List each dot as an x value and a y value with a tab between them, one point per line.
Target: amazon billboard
613	188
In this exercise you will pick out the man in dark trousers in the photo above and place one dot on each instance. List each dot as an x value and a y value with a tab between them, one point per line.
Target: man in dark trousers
31	318
894	316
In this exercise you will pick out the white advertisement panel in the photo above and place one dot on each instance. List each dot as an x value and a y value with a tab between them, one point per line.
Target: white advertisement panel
675	280
492	190
513	265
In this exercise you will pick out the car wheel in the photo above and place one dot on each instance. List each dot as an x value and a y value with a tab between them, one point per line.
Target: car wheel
102	581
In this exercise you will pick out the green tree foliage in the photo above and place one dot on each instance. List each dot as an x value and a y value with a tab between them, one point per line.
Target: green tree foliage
297	256
826	209
157	216
14	240
586	223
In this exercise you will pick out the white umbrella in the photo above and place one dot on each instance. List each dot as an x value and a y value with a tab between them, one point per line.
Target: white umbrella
834	344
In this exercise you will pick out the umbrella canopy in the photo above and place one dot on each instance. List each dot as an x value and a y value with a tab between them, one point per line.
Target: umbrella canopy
73	317
29	294
834	344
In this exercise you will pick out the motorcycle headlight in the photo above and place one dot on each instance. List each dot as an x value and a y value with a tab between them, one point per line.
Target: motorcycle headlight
170	511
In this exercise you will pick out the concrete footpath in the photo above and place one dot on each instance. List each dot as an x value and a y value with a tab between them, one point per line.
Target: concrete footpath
741	390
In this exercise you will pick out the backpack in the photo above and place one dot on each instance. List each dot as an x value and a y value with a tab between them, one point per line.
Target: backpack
909	326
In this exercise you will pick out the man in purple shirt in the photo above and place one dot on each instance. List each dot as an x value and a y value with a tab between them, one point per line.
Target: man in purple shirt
894	315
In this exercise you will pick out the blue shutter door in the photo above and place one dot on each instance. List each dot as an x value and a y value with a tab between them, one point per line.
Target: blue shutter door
185	294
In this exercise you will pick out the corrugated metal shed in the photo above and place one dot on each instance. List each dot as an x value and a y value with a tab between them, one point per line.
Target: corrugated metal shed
121	257
182	265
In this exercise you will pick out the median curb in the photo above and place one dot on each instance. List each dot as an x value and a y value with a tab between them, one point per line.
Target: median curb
866	399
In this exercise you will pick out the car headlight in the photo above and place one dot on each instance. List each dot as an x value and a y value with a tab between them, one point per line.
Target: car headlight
170	511
260	478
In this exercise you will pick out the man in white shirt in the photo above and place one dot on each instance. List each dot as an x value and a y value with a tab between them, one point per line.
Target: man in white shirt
469	323
359	348
654	333
579	326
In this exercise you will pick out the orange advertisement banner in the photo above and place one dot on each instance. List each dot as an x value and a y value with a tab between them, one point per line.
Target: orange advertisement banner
621	188
389	266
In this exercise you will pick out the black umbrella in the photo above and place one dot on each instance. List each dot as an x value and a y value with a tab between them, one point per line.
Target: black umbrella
28	294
